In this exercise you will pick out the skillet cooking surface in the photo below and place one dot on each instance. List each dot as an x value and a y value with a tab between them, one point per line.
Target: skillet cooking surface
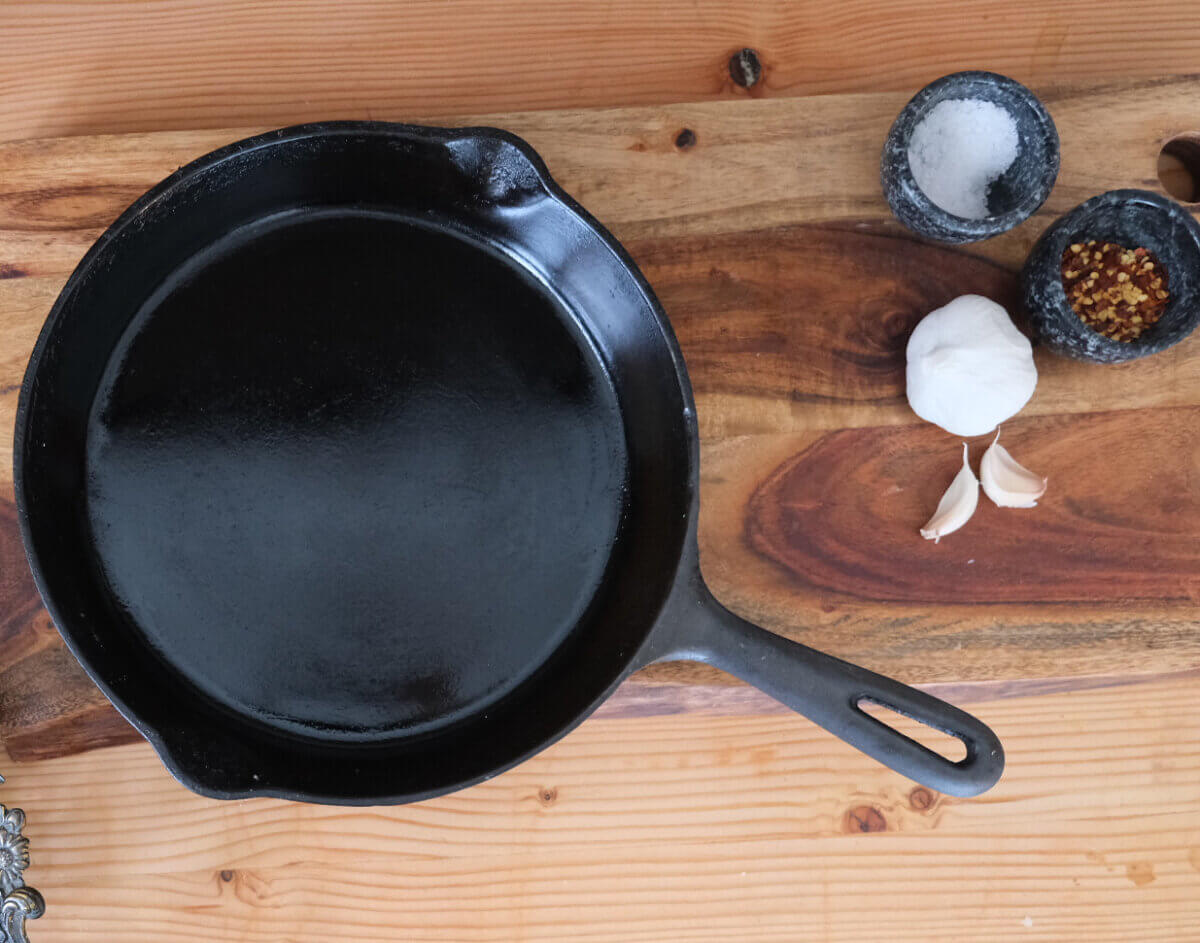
349	473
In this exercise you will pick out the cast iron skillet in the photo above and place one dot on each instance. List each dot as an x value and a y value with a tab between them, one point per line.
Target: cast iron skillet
357	463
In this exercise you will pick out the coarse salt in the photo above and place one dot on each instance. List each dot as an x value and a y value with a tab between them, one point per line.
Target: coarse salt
958	150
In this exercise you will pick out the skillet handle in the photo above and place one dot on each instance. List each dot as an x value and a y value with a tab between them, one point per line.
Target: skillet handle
828	692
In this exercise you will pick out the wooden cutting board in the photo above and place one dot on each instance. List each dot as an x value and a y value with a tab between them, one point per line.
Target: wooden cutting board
792	291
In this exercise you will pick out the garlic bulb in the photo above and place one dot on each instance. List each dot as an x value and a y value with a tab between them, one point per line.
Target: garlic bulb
957	504
1008	483
969	368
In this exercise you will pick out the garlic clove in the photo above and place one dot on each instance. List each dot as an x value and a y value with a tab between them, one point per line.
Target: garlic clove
957	504
1008	483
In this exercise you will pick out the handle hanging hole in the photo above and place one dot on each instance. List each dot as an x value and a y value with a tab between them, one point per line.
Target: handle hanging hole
940	742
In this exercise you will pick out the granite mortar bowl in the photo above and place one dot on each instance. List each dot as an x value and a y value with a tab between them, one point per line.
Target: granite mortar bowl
1013	198
1131	218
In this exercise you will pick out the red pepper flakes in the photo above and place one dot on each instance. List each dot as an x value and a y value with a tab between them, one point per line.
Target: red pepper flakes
1117	292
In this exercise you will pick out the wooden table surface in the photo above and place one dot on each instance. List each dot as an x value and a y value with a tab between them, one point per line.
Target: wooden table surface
669	828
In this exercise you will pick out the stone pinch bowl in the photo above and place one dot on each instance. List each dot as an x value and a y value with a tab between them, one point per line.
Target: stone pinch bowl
1013	198
1131	218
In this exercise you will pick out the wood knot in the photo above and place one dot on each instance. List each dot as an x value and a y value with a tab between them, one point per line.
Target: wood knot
897	326
745	68
685	138
921	799
547	795
226	875
865	818
1140	873
12	270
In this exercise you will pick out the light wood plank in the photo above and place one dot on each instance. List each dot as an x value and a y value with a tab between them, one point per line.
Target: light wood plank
670	829
121	65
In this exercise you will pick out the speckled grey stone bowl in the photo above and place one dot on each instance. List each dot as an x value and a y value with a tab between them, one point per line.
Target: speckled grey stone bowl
1011	199
1132	218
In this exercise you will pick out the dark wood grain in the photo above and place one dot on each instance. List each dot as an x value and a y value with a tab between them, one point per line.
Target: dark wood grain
808	314
1119	526
792	293
48	705
51	708
19	602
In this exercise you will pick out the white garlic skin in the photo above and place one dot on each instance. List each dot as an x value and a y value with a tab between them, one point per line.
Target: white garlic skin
969	368
957	504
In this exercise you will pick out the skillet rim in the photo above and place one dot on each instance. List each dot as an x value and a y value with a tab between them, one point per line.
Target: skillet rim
684	559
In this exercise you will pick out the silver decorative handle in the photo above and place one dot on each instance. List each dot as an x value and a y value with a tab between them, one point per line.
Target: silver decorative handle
18	903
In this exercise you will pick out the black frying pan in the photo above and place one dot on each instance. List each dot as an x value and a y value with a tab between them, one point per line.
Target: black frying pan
357	463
